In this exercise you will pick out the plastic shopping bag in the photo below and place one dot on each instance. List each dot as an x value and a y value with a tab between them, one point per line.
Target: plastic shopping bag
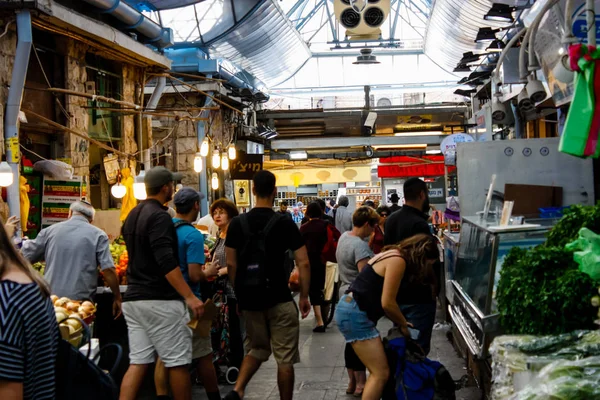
587	252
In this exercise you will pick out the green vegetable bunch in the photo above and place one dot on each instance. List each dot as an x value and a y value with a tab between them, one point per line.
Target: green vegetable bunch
541	291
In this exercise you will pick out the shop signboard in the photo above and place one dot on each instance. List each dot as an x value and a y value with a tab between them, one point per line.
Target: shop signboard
57	197
449	144
410	171
245	166
579	26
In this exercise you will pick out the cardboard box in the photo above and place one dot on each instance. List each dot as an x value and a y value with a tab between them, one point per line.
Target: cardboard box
530	198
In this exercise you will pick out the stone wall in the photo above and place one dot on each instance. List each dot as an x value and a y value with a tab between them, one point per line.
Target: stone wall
8	46
132	81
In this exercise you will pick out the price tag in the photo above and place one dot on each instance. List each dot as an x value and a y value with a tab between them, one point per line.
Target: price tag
13	155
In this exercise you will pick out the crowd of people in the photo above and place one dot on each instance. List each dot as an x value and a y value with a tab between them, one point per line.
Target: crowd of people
388	264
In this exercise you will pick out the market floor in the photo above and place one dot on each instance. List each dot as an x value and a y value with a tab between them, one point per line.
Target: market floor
321	374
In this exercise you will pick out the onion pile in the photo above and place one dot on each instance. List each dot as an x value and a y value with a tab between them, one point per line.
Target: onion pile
66	308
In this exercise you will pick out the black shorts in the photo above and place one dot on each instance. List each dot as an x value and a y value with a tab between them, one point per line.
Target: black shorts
317	284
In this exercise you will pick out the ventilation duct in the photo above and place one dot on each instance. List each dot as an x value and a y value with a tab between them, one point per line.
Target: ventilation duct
452	28
161	4
362	18
133	20
263	42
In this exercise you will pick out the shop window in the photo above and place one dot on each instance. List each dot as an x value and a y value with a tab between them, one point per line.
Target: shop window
104	124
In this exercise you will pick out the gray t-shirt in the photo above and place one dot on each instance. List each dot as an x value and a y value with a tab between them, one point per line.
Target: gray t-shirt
350	250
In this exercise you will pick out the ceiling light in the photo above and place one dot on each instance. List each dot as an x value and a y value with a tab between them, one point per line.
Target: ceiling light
462	68
139	187
423	133
198	163
118	191
433	152
224	162
500	13
232	152
216	159
496	46
400	146
466	93
486	33
366	57
6	174
214	182
204	147
298	155
271	135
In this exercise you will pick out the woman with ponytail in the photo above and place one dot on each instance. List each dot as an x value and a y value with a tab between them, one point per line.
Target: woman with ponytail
374	294
28	330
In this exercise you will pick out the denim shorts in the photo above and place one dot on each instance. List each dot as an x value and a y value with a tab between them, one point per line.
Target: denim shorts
353	322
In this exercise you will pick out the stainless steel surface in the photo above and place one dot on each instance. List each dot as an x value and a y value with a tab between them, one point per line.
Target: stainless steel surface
492	275
460	324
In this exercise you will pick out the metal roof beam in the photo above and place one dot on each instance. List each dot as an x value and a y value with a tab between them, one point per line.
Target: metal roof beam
345	142
407	111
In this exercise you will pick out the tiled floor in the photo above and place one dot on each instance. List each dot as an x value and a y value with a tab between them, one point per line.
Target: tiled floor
321	374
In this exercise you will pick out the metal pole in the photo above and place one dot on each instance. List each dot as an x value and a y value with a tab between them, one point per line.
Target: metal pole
13	107
203	181
591	22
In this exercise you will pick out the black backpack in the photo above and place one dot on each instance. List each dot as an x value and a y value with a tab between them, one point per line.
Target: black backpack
252	280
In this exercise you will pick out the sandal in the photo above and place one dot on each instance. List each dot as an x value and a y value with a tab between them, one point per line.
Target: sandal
351	388
359	392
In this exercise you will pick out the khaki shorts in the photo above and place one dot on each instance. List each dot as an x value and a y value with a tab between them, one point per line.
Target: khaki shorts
201	346
275	330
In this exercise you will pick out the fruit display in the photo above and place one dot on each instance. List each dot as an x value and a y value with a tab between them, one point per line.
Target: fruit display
118	250
68	315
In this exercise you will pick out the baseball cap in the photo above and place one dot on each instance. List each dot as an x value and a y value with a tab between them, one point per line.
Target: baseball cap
186	196
160	176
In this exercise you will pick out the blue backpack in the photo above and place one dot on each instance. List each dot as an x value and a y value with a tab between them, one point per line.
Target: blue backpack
412	375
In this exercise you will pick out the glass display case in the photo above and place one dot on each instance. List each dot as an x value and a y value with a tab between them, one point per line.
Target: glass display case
471	289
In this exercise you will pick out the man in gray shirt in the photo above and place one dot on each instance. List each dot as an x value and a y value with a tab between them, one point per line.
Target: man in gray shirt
73	250
343	216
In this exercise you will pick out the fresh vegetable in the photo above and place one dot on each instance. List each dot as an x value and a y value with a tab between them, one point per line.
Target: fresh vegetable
574	218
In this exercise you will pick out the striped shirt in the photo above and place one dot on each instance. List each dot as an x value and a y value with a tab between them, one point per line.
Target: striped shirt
28	339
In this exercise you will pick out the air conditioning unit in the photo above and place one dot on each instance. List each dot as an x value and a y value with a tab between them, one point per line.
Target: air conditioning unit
384	102
362	19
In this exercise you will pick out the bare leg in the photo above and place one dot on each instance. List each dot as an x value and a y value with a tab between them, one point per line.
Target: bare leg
361	379
209	376
371	353
351	381
285	381
132	381
181	385
318	315
249	367
161	380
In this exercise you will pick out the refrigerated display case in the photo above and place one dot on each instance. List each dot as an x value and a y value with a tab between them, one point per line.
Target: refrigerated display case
471	286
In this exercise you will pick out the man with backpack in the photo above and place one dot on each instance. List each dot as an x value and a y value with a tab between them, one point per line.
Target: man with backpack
191	261
255	250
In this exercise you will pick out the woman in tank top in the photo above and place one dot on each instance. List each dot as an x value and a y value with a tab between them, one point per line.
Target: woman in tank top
374	294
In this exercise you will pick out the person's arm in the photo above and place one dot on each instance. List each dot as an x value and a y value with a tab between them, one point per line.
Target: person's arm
301	258
161	239
11	390
196	259
34	250
362	263
394	272
111	279
362	253
231	257
11	226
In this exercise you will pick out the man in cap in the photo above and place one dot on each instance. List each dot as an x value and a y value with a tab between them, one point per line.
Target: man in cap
155	302
191	262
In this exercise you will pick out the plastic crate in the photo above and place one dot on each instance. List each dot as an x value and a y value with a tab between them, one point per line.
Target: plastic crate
552	212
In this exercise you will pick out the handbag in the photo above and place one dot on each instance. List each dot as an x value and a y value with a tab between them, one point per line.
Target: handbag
78	376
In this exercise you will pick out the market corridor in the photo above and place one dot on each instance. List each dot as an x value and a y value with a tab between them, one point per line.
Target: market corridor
321	374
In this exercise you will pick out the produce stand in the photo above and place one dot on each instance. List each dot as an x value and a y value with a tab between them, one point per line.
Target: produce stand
471	286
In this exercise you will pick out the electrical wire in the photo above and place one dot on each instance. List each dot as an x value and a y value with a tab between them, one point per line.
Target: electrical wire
6	28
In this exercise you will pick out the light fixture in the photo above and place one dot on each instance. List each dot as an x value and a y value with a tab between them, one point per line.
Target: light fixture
498	110
298	155
486	33
496	46
216	159
462	68
204	147
6	174
214	182
366	58
524	102
420	133
198	163
400	146
433	152
224	162
139	187
118	191
232	152
500	13
535	88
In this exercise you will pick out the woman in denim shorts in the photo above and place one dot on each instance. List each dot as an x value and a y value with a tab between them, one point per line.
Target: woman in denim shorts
374	294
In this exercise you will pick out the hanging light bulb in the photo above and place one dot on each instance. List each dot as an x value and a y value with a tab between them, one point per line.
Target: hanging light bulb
139	187
214	181
204	147
118	191
198	163
216	159
6	174
224	162
232	152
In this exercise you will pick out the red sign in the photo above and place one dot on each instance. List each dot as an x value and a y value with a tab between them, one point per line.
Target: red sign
410	171
410	160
